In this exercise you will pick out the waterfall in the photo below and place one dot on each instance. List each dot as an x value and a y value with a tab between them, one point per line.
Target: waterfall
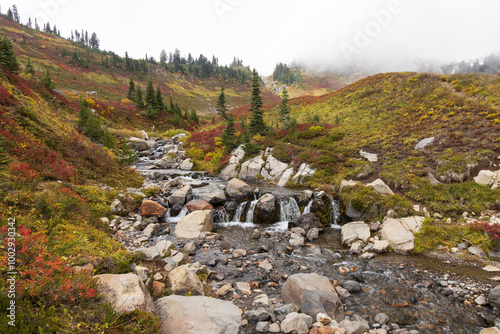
250	211
307	209
177	218
220	215
335	214
289	209
239	211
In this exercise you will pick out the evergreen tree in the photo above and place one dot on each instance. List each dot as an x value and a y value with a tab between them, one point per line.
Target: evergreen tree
228	136
163	56
47	80
10	16
37	27
15	14
94	41
29	22
257	125
47	28
221	104
150	95
139	102
284	110
131	90
194	117
159	99
8	58
29	69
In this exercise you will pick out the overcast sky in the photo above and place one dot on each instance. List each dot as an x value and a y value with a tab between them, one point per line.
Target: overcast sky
265	32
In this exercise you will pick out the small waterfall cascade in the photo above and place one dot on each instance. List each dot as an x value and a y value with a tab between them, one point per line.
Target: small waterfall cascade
289	209
250	211
220	216
177	218
335	214
307	209
239	211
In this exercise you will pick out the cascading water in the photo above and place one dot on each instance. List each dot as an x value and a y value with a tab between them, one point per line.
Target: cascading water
239	211
335	214
307	209
250	211
177	218
289	209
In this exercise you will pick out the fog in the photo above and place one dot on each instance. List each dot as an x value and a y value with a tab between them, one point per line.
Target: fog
371	35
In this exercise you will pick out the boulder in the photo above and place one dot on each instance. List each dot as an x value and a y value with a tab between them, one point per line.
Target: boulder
166	162
352	327
251	168
144	135
346	184
306	222
488	178
266	210
285	177
179	196
322	207
424	143
304	197
186	165
192	225
151	253
494	297
313	294
139	144
274	168
194	315
355	231
380	187
304	171
185	281
216	197
354	213
198	205
380	246
231	170
491	330
125	292
151	209
399	232
372	157
296	323
239	190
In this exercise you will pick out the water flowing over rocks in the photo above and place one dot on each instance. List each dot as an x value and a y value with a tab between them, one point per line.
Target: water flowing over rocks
290	274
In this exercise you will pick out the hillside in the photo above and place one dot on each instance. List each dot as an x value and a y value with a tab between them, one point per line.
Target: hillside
387	115
77	69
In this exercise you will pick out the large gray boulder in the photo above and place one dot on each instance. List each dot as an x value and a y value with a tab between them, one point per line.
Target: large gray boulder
138	143
195	315
239	190
191	226
306	222
125	292
313	294
494	297
231	170
488	178
266	210
355	231
380	187
179	196
216	197
251	168
166	162
304	171
274	169
185	281
186	165
285	177
400	232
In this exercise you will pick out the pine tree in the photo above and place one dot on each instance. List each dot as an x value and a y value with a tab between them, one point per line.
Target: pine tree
29	69
284	109
15	14
37	27
94	41
131	90
10	16
221	104
228	136
159	99
163	56
47	80
8	58
194	117
150	95
257	125
29	22
139	102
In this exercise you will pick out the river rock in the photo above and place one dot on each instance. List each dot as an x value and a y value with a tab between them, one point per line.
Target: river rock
185	281
477	251
239	190
150	230
304	171
139	144
251	168
304	197
381	318
352	327
179	196
491	330
313	294
306	222
313	234
355	231
255	316
191	226
125	292
296	323
380	187
266	210
216	197
166	162
296	240
151	253
195	315
231	170
151	209
380	246
488	178
399	232
354	213
186	165
198	205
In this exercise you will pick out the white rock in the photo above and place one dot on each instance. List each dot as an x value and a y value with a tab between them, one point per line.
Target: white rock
399	232
381	187
251	168
285	177
192	225
186	165
354	231
304	170
369	156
